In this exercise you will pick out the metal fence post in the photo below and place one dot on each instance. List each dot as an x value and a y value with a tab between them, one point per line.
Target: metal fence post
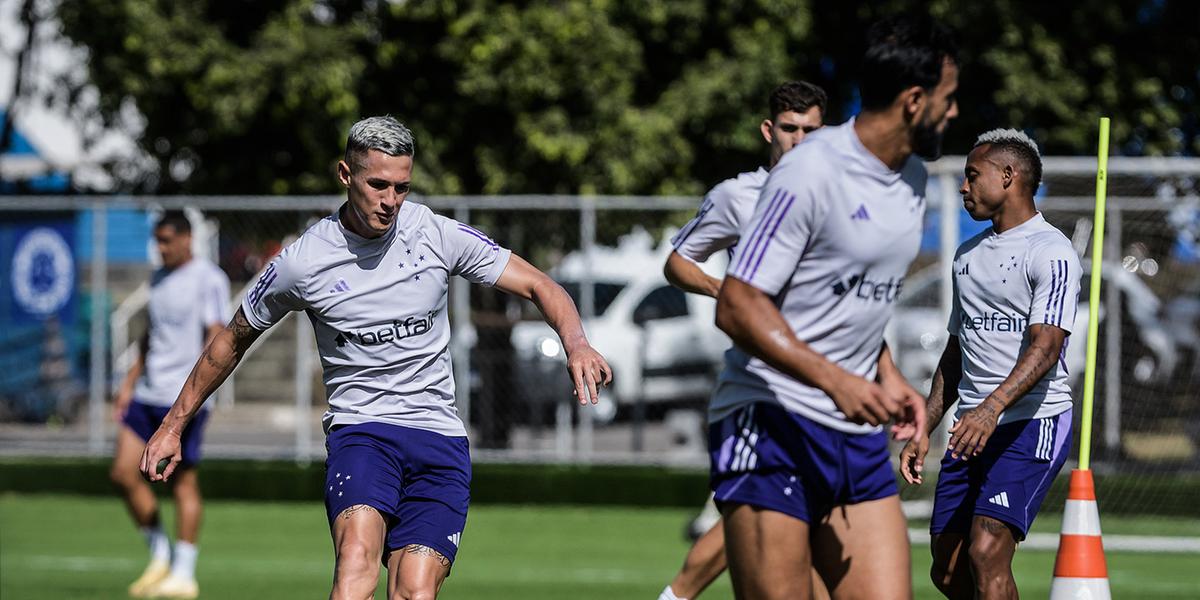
97	388
587	309
1112	337
460	346
948	190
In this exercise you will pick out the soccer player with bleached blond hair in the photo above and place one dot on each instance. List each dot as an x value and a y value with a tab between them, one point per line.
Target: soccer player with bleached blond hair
1016	288
373	279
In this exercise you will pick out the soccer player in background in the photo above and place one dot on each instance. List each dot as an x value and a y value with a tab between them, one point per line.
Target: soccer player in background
1016	288
188	305
800	464
372	278
796	108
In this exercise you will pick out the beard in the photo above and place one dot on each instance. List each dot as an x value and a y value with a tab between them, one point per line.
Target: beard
927	141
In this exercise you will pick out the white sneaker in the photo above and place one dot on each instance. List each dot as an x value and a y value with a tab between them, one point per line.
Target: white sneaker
155	572
175	587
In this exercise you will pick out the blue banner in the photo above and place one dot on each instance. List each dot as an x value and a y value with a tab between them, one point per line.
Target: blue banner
38	271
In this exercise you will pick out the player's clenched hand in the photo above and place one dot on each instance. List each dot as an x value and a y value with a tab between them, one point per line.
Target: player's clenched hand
864	401
970	434
164	444
911	419
589	371
912	458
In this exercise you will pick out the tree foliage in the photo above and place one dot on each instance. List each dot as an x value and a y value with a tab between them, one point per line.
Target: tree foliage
594	96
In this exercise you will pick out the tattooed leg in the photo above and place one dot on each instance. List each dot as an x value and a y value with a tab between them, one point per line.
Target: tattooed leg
358	545
993	544
416	572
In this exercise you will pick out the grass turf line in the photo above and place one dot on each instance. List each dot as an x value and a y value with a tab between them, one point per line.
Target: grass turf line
85	547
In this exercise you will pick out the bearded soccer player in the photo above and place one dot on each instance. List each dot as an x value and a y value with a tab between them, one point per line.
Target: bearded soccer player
188	305
1016	288
800	465
372	278
797	109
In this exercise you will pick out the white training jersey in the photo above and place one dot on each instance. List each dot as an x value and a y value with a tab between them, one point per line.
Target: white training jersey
184	303
717	223
378	309
1003	283
830	241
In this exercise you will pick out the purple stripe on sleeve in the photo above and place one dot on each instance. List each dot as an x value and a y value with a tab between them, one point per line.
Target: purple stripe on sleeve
1053	288
476	233
1062	292
744	260
692	225
770	236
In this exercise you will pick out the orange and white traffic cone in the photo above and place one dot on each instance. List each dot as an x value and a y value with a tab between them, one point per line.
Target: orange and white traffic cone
1080	571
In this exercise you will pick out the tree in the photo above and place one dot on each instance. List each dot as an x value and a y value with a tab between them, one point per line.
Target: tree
594	96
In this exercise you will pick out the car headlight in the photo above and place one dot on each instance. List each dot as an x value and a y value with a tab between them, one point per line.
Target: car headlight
549	347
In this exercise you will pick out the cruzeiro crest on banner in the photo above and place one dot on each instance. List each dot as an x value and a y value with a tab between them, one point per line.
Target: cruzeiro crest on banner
43	272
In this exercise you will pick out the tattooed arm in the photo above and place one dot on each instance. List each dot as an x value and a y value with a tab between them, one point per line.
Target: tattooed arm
971	432
219	359
944	390
942	394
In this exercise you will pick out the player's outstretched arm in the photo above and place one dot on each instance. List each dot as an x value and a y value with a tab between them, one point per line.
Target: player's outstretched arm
218	360
942	395
971	432
588	369
751	318
689	277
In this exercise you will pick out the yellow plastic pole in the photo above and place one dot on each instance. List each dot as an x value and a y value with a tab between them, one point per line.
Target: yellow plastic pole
1089	374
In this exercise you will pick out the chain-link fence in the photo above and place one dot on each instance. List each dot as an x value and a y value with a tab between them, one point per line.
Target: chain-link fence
77	307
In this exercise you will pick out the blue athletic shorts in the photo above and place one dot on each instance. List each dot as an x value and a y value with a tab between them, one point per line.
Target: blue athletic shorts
1007	481
144	420
764	456
418	480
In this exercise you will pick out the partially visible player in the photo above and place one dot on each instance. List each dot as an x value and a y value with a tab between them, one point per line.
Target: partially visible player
1016	286
373	279
800	464
796	108
189	299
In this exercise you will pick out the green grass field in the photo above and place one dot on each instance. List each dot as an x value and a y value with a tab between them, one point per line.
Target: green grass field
85	547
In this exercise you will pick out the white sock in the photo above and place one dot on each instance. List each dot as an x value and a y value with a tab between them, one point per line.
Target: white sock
160	545
668	594
184	564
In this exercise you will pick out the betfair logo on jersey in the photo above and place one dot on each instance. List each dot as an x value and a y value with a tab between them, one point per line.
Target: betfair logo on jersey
865	288
398	330
994	322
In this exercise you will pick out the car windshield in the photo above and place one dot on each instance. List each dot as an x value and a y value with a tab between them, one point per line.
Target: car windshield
603	293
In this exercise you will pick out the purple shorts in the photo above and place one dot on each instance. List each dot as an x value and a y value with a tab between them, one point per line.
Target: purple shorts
418	480
767	457
144	420
1007	481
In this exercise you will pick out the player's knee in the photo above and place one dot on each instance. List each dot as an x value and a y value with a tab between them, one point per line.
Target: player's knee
419	589
122	478
987	552
356	559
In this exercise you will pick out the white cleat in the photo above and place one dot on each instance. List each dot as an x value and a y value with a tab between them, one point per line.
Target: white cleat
175	587
155	572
